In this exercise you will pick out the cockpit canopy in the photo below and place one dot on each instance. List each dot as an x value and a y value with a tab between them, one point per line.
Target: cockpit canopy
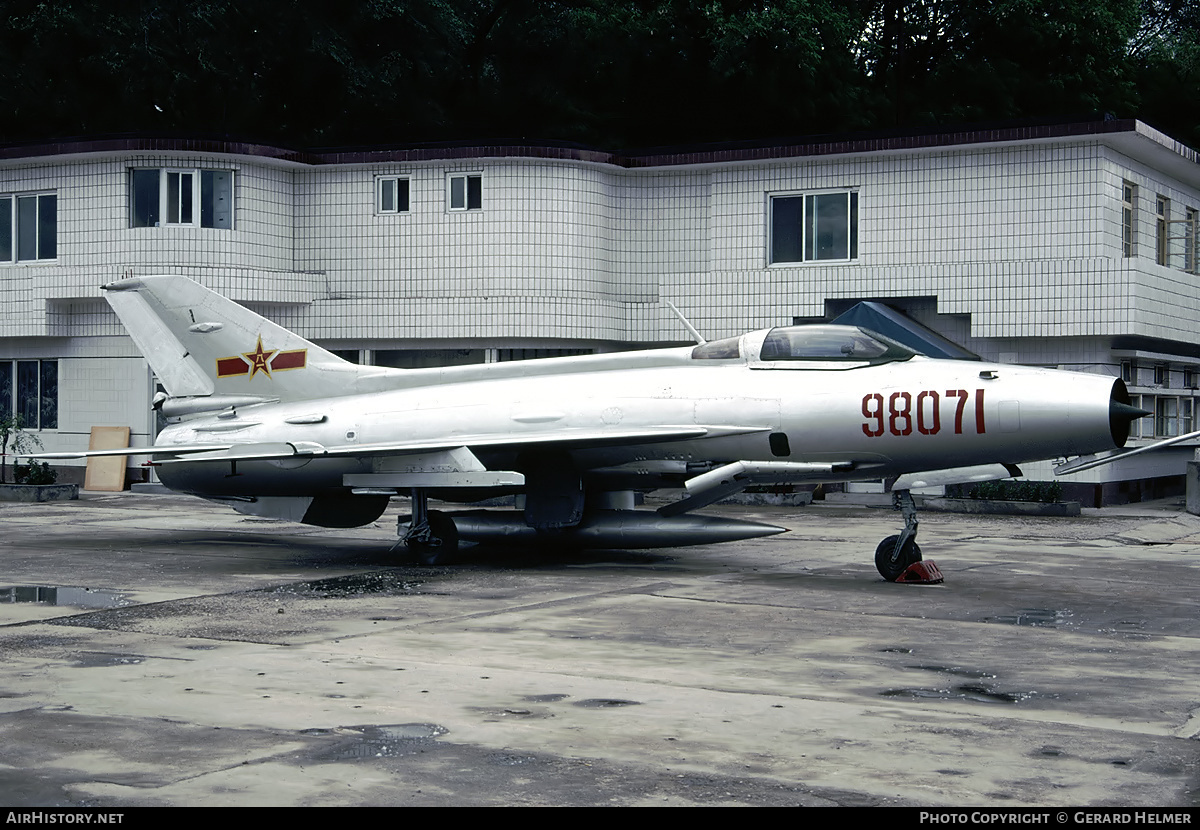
806	347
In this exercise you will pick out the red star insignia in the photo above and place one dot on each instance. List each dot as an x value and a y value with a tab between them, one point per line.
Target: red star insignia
259	359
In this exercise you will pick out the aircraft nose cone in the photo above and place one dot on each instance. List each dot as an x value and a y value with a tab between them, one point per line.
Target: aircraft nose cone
1120	416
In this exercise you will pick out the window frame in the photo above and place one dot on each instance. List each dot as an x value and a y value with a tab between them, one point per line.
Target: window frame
1173	416
1128	218
189	213
1162	230
10	228
402	196
1191	240
12	380
471	202
809	232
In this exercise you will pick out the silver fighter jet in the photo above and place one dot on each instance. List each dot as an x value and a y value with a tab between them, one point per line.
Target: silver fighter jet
274	425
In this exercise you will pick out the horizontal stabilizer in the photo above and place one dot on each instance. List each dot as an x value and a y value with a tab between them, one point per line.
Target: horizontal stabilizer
157	450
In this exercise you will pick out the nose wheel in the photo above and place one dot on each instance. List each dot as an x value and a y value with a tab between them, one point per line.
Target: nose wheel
893	557
896	554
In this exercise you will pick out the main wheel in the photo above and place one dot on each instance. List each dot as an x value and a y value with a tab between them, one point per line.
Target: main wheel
443	541
889	570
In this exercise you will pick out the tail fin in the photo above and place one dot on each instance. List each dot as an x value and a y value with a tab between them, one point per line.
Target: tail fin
200	344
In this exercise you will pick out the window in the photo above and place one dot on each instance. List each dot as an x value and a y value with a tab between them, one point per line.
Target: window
814	227
1190	239
1136	427
1128	215
1162	222
1129	371
1172	417
1189	378
464	191
28	227
1162	375
391	194
180	197
29	391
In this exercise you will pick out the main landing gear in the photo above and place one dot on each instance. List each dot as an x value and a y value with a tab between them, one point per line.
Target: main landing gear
430	535
898	557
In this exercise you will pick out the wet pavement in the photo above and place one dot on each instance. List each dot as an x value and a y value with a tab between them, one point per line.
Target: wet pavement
159	650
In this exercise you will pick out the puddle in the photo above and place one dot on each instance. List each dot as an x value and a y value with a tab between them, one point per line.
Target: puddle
386	741
64	595
967	691
1039	617
605	703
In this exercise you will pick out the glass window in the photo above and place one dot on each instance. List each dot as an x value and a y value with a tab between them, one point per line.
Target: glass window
28	227
48	394
47	244
718	349
814	227
1129	200
465	191
180	197
29	391
1190	239
1166	417
216	199
6	228
828	343
1162	250
393	195
6	387
143	186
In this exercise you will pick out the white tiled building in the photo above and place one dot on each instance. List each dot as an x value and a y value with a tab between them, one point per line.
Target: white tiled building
1071	245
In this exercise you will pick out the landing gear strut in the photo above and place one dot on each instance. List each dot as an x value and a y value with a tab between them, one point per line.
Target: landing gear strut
430	535
896	554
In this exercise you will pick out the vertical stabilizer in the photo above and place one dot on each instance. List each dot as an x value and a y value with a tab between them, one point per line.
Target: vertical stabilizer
200	343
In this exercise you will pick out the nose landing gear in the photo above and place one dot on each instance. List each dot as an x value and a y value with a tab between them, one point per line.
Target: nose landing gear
898	557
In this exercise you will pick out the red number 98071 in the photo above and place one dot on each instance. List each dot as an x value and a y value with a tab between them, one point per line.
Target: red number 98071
905	413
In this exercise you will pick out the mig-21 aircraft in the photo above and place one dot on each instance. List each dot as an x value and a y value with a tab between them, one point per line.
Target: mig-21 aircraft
274	425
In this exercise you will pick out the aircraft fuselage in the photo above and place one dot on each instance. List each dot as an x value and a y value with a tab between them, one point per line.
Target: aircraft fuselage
897	417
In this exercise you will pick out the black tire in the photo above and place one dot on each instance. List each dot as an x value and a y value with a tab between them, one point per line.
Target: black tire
910	553
446	536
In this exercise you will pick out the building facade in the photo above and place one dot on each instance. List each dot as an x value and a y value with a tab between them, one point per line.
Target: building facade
1072	246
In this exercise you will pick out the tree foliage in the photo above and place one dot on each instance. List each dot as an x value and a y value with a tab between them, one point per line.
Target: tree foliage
613	73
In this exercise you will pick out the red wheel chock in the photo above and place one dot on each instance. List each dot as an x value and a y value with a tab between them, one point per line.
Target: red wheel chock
921	573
